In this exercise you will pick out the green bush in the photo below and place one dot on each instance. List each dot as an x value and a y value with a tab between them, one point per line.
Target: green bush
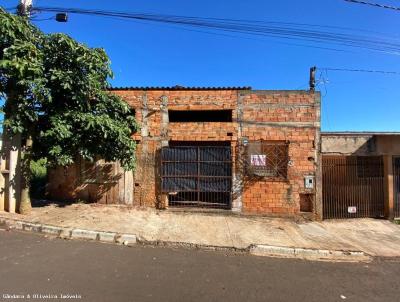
38	178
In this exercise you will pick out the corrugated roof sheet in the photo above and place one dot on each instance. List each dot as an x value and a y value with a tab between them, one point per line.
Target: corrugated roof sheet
177	87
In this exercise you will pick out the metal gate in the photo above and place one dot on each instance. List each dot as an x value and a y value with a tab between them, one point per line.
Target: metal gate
396	172
197	176
352	186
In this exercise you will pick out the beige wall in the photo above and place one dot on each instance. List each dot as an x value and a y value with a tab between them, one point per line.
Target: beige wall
360	144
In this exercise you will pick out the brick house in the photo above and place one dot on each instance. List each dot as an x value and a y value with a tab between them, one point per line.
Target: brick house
249	151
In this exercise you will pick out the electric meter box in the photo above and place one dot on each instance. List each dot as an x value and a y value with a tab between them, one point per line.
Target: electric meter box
309	182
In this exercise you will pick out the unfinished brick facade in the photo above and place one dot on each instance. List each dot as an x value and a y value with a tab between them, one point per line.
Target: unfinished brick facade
286	117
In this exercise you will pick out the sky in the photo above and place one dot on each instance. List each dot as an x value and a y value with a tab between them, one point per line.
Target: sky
146	54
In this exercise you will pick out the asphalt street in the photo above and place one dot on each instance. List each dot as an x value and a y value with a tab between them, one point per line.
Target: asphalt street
38	268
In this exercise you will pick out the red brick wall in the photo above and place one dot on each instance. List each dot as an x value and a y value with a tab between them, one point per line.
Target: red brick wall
282	116
291	116
186	100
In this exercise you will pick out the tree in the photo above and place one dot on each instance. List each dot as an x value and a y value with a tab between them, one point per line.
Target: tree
57	100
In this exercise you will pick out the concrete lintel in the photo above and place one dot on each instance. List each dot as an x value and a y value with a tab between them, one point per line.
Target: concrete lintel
279	92
275	105
194	104
282	124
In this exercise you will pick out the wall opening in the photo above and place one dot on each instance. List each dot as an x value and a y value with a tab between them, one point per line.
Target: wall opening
197	176
306	203
198	143
194	116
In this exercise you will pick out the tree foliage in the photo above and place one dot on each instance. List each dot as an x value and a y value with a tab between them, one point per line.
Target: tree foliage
56	92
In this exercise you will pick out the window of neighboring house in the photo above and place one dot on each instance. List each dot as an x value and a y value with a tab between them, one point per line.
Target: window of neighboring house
193	116
98	172
268	159
369	166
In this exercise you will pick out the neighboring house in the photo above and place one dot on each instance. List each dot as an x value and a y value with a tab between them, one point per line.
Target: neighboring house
361	174
250	151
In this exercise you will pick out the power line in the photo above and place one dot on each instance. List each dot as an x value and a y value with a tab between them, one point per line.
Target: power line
230	35
374	4
358	70
310	33
42	19
313	34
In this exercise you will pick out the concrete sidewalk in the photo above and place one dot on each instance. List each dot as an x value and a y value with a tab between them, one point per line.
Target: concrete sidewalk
374	237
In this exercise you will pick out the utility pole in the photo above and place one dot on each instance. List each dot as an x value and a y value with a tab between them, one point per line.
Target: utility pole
24	8
312	78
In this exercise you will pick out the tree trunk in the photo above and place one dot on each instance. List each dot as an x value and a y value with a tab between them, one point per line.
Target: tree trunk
25	205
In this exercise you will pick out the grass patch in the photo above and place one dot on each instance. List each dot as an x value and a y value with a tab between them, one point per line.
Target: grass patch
38	178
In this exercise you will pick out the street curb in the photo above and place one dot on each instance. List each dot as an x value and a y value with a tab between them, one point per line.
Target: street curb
131	240
193	246
126	239
69	233
84	234
107	237
309	254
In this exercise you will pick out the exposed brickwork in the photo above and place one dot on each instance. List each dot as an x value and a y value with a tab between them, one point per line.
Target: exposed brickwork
281	116
289	116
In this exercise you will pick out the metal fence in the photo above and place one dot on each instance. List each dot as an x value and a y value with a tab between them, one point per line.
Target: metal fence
396	172
353	186
198	176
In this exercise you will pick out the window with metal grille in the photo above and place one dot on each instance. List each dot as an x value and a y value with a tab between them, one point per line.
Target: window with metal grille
267	159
